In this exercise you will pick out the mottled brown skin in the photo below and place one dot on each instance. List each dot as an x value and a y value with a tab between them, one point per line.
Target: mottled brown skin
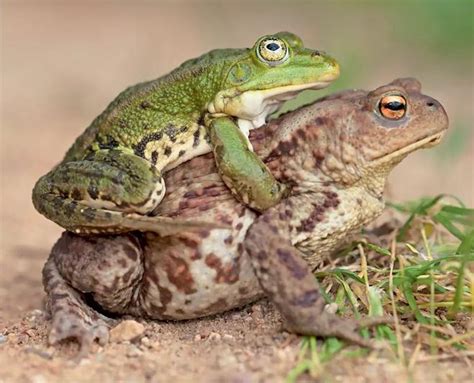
336	155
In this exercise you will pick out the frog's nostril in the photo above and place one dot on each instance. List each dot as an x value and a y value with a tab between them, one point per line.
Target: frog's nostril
430	103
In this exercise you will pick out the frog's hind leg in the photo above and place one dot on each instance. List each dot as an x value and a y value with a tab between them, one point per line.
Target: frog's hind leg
108	269
101	193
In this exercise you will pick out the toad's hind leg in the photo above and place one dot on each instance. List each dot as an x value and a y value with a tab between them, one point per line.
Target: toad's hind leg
109	269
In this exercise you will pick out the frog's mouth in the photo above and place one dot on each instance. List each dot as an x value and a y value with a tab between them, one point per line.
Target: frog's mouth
252	107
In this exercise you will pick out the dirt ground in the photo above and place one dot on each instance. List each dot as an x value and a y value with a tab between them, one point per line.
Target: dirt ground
61	65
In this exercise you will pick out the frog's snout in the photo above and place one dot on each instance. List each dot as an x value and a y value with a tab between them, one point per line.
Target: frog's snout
333	71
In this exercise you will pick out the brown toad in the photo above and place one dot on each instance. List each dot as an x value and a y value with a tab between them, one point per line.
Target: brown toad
335	154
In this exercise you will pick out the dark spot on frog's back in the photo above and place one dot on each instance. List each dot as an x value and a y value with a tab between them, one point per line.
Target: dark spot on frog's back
93	191
145	104
171	132
196	135
109	143
88	213
76	194
140	147
167	151
154	157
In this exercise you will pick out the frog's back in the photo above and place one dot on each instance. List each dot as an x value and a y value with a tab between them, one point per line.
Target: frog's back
150	107
102	123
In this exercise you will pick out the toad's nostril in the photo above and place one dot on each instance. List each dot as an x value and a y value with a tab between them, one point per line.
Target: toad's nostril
430	103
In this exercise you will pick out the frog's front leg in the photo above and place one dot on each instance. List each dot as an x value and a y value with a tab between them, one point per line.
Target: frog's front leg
289	283
101	193
241	169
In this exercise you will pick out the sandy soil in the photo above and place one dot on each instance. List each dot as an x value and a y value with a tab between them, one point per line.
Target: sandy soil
61	64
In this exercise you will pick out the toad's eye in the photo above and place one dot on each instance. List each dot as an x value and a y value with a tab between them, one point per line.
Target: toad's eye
393	106
272	51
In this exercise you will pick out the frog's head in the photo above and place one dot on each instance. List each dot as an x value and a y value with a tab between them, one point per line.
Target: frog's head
276	69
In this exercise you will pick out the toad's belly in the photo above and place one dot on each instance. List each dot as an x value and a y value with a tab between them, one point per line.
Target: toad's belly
195	275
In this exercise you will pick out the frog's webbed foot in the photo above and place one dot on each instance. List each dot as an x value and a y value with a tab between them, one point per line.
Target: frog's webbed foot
241	169
72	318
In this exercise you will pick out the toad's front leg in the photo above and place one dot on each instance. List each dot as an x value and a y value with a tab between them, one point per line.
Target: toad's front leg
289	283
108	269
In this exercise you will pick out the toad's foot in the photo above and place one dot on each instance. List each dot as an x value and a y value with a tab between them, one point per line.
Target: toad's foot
327	325
72	318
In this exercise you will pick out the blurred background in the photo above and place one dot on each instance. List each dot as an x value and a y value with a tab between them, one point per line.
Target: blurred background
64	61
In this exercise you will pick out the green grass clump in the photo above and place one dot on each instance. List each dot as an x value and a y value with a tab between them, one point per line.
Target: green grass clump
416	265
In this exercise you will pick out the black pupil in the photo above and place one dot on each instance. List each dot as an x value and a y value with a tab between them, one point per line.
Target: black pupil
273	47
395	105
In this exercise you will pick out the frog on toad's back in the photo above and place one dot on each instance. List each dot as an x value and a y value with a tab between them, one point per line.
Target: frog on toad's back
114	169
336	154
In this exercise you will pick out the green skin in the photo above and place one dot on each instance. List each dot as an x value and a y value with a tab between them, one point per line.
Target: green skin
110	180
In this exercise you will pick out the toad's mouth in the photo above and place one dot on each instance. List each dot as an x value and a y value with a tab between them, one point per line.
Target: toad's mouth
426	142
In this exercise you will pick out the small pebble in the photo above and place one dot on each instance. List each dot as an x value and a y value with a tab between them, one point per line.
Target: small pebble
145	341
35	313
38	379
30	333
126	331
228	338
41	353
3	339
134	352
226	360
331	308
155	346
197	337
214	336
12	338
236	316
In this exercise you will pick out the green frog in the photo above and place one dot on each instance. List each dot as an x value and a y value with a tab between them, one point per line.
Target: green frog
111	179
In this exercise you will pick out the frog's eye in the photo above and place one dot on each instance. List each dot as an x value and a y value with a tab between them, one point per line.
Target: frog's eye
272	51
393	106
